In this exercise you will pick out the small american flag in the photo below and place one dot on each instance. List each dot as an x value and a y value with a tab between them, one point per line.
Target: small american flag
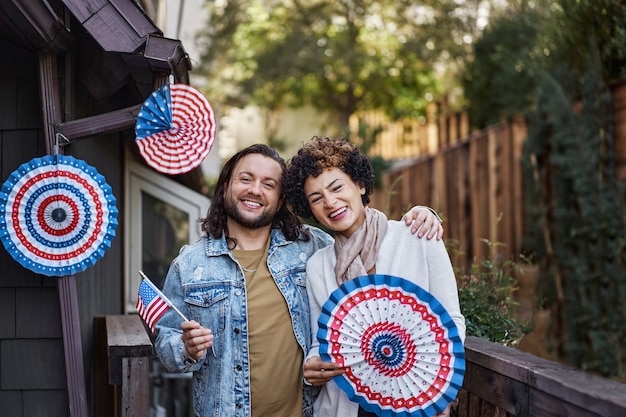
151	303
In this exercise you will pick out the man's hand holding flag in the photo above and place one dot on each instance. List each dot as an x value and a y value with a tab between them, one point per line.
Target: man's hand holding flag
152	303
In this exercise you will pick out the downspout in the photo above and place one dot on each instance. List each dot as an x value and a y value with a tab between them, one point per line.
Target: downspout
68	299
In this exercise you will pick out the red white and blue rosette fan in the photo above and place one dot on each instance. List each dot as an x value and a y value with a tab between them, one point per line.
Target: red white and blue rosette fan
57	215
401	349
175	129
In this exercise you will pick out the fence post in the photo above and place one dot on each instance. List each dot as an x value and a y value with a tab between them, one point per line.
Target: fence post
129	349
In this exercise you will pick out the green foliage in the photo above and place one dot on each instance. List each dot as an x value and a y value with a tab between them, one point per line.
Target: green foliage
539	59
532	36
500	80
367	136
580	238
590	26
339	56
277	143
486	295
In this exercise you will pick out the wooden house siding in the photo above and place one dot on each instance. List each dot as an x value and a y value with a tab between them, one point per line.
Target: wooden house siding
80	68
32	365
32	373
100	288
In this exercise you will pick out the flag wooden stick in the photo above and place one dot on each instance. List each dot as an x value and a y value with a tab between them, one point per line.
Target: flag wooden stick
167	301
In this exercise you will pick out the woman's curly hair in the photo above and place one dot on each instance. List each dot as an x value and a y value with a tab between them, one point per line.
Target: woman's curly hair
320	154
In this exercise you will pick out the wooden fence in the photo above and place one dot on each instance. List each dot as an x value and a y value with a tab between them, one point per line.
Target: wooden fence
474	180
474	183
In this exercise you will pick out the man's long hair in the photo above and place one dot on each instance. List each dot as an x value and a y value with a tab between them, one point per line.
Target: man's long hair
215	222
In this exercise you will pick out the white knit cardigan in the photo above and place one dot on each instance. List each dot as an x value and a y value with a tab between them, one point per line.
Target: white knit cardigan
422	261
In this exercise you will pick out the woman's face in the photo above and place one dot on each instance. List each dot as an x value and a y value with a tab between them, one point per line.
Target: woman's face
335	201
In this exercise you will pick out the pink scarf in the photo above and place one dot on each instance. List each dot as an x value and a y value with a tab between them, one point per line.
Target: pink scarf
357	255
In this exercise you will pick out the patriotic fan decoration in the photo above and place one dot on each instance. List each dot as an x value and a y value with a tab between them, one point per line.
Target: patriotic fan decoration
175	129
57	215
401	349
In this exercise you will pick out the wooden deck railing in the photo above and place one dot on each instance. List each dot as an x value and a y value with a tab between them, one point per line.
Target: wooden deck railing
499	381
123	367
502	381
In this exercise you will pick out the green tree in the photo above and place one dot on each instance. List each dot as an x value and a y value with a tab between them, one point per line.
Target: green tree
572	186
341	56
501	76
529	37
580	243
553	61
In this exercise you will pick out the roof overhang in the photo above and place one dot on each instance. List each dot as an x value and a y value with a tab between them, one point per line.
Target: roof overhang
34	25
119	27
123	57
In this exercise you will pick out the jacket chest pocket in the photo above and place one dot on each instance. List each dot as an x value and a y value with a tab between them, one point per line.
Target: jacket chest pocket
208	304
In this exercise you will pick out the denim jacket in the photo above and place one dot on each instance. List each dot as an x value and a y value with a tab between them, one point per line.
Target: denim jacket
207	285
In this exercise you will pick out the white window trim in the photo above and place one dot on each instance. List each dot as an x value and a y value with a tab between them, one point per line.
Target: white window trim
138	179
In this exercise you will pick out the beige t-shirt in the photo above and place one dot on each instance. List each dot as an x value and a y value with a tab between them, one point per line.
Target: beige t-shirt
275	356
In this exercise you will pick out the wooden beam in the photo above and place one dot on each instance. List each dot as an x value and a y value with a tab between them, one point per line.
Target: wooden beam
34	25
50	101
135	388
72	343
118	26
507	377
111	122
100	124
126	338
68	300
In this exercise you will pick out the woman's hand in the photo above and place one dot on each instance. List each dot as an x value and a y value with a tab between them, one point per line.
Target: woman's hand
445	413
317	372
196	338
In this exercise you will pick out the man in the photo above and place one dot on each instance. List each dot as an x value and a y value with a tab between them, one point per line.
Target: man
243	289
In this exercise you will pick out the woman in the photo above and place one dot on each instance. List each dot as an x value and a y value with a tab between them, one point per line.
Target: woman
331	180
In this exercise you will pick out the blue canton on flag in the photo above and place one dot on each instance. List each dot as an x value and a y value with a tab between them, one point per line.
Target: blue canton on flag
155	115
150	305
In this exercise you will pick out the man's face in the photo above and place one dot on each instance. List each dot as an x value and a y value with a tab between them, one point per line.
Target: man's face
252	196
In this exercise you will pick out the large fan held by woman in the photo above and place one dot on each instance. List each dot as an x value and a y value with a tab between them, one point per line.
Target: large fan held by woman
401	349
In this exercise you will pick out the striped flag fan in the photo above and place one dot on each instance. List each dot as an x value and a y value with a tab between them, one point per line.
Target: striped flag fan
175	129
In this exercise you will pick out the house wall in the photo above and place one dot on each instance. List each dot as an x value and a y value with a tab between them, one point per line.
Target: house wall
32	365
32	373
100	288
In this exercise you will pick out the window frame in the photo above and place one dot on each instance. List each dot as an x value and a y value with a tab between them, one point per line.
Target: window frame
141	179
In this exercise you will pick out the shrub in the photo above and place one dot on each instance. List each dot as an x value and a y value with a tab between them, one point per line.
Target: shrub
486	295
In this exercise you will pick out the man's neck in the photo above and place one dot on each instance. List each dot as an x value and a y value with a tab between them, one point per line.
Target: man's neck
248	239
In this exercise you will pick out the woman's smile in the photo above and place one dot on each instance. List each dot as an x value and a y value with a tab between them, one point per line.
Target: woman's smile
338	214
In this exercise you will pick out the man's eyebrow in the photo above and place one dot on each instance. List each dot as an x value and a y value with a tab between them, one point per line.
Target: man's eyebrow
253	175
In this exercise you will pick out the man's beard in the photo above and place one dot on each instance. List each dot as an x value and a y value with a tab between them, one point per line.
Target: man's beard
264	219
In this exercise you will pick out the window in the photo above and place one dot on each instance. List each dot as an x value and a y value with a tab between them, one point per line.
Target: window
161	215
